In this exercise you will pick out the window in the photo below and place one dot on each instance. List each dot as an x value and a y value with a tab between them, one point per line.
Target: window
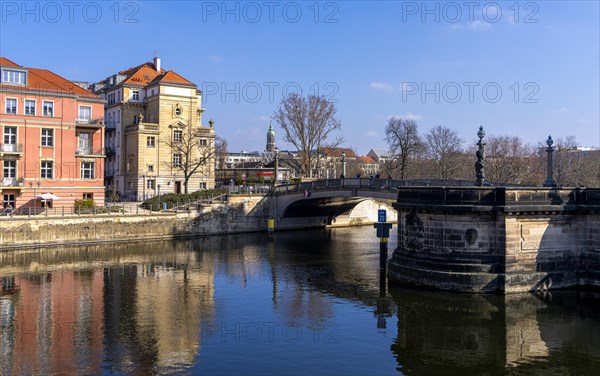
11	106
150	142
111	99
176	160
135	95
178	111
130	185
203	143
29	107
177	135
48	108
47	137
118	95
10	135
9	201
47	170
85	113
202	185
87	170
85	143
135	119
10	169
15	77
150	183
150	168
88	196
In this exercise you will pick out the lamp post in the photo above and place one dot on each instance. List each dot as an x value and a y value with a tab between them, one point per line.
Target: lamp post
343	165
276	166
158	185
550	182
34	195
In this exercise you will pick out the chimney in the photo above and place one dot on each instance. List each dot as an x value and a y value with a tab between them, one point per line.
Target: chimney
157	63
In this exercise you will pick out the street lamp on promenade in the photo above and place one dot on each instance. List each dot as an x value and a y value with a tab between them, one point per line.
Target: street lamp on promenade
158	185
34	195
343	165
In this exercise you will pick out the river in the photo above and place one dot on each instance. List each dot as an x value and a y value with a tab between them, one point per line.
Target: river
309	302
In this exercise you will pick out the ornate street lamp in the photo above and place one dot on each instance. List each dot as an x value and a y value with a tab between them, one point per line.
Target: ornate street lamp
276	166
34	195
550	182
158	185
343	165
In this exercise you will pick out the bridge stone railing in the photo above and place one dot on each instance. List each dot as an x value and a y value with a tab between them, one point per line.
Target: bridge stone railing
370	184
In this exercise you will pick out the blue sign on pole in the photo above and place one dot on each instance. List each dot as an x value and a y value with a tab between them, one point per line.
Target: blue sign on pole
381	215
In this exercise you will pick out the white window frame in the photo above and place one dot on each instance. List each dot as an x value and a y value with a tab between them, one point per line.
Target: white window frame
88	168
46	137
150	184
135	95
177	160
177	135
6	77
44	170
151	144
79	114
16	105
150	168
34	106
9	169
9	136
44	113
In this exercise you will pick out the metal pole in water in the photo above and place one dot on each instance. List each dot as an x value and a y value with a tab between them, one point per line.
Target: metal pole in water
271	228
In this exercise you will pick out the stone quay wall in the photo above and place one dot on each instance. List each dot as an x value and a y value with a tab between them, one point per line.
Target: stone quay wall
503	240
241	214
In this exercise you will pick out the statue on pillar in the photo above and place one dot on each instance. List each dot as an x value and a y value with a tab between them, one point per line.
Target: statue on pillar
480	164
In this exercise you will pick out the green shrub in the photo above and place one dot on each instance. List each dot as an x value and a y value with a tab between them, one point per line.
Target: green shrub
85	203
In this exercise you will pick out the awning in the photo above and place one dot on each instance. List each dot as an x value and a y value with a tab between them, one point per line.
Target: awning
47	197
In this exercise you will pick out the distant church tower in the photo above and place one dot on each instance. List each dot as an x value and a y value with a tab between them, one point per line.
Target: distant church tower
270	139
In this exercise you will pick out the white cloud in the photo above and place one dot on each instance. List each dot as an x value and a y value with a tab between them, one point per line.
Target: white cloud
381	86
408	116
563	110
372	134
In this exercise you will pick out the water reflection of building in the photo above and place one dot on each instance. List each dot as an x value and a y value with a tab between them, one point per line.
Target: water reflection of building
444	333
53	323
73	320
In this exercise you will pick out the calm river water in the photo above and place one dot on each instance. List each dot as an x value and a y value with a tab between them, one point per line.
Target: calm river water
310	303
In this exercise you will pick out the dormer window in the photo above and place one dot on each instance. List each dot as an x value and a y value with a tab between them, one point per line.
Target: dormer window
13	77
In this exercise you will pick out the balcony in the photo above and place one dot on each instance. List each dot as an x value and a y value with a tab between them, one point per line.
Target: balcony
11	149
90	152
12	182
90	123
143	127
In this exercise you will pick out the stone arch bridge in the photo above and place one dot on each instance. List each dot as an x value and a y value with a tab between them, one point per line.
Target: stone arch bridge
340	202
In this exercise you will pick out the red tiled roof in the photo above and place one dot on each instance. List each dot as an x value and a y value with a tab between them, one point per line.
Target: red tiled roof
142	76
172	77
337	152
44	80
8	63
367	160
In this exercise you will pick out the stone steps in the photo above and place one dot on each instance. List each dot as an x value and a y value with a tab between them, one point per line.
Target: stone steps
445	265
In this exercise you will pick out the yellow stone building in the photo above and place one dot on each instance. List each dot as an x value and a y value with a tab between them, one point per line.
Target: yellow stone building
155	139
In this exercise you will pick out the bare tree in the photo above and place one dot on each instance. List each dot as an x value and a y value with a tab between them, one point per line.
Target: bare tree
568	162
192	152
220	152
405	143
511	160
307	124
445	148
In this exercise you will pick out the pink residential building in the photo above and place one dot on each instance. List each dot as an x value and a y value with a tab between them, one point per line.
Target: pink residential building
52	139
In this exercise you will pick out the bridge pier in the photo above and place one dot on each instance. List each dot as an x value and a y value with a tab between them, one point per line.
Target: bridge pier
506	240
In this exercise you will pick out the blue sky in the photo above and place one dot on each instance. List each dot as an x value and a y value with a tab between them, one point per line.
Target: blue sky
524	68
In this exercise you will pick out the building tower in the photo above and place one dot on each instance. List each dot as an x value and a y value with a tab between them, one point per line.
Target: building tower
270	139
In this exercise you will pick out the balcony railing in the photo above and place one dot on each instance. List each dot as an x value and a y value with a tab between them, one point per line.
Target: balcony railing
99	122
11	148
89	151
12	182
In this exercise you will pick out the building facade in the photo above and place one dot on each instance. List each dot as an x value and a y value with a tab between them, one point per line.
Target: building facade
155	139
52	139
